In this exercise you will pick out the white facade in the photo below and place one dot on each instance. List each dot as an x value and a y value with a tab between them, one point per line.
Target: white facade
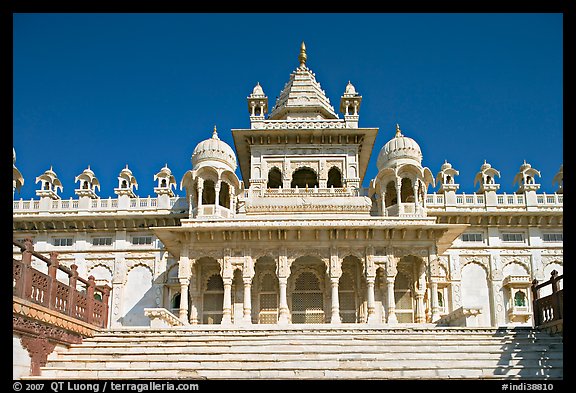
297	239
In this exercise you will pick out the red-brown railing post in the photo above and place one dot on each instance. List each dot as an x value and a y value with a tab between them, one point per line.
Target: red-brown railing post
535	303
90	300
27	268
72	279
105	298
53	284
556	298
27	252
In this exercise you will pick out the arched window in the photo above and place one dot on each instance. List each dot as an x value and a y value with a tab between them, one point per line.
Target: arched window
488	180
529	180
403	299
85	185
209	193
307	299
163	183
274	178
520	299
448	179
406	190
440	299
175	301
391	198
347	298
224	197
304	177
47	186
124	184
334	178
268	301
213	300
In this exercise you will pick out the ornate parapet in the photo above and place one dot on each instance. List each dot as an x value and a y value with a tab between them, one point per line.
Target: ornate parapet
161	318
463	316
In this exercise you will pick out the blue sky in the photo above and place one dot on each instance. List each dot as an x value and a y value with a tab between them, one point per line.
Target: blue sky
107	90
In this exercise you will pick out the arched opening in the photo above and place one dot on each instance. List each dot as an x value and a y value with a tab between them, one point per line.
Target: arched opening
349	289
391	197
406	190
208	193
175	302
520	299
224	197
448	179
334	178
307	299
47	186
85	185
268	296
403	298
265	292
488	180
529	180
420	193
124	184
304	177
274	178
163	183
213	300
440	299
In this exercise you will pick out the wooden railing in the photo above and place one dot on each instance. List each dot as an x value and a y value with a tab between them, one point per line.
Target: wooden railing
44	289
548	310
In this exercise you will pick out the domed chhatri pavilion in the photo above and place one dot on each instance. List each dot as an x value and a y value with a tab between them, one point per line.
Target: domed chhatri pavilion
298	240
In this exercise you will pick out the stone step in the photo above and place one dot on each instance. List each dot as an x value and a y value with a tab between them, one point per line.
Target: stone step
308	339
357	353
364	373
306	364
263	343
149	354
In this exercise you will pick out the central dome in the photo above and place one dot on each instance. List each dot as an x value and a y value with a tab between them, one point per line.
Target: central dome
214	150
399	148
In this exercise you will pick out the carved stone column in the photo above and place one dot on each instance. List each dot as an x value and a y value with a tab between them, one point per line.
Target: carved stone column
335	274
247	299
434	300
283	317
183	313
335	301
194	299
371	303
391	300
184	271
420	290
282	272
227	304
399	195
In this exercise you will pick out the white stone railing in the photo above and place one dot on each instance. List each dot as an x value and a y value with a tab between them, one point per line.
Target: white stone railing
96	205
502	200
319	192
301	123
161	318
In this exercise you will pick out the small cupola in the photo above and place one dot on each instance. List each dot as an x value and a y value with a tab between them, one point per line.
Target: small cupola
166	182
88	184
525	178
486	178
49	185
126	183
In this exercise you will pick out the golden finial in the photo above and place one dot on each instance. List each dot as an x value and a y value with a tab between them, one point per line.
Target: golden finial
302	57
398	132
215	133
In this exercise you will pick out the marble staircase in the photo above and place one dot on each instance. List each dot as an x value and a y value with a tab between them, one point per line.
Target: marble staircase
312	352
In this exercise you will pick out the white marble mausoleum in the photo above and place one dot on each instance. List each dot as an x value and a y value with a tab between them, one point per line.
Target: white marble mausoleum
297	239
